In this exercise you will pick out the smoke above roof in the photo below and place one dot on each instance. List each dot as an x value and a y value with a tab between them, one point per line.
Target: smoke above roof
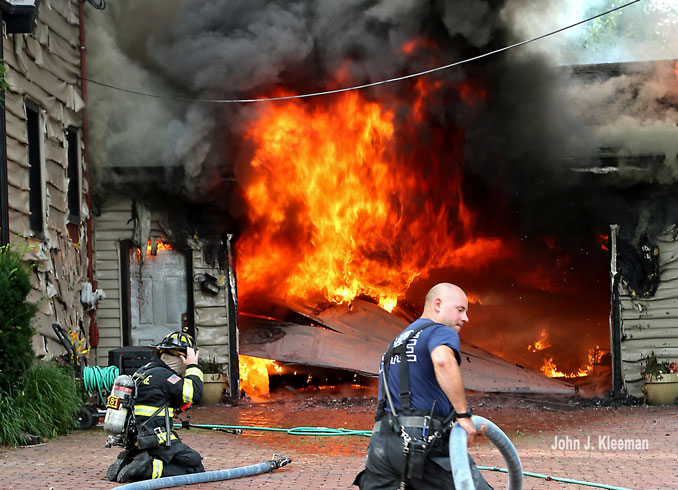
521	143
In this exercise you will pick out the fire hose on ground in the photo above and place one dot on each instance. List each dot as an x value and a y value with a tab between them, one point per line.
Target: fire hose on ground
209	476
494	434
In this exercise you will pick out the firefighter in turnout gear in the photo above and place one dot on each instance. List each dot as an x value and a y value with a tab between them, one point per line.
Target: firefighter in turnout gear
171	381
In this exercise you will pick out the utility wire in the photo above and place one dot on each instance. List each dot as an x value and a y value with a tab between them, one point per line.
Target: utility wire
366	85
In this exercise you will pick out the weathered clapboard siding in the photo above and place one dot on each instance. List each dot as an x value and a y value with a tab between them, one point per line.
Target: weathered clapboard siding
212	320
111	227
44	66
651	324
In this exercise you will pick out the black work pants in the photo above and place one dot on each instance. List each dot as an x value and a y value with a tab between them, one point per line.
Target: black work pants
385	463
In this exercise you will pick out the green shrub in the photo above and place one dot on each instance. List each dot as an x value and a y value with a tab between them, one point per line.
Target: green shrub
16	353
45	405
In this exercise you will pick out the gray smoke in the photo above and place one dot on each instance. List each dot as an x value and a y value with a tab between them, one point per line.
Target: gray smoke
520	140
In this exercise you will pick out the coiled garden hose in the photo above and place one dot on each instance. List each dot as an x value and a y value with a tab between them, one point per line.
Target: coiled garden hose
95	378
209	476
461	470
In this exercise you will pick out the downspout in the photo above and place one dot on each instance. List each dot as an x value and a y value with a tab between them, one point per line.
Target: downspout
93	328
4	184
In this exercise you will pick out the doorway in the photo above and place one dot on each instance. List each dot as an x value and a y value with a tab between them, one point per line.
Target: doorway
157	293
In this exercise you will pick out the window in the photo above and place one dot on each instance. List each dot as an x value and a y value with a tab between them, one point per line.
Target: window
74	188
35	176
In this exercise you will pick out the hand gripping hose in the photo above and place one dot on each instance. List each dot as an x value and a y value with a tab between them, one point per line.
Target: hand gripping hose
461	471
209	476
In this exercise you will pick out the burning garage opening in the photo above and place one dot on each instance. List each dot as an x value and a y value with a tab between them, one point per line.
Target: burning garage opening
345	208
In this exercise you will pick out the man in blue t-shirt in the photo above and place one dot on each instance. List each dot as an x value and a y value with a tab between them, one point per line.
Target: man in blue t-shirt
435	386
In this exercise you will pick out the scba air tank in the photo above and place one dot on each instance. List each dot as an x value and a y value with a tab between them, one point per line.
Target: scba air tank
116	406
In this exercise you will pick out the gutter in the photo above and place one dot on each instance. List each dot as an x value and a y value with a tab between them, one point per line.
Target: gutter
93	328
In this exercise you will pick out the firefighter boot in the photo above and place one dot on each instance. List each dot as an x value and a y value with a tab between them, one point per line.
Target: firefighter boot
125	456
139	469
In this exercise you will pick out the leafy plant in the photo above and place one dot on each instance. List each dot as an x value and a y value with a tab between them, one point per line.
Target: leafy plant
16	313
45	404
211	366
3	71
654	369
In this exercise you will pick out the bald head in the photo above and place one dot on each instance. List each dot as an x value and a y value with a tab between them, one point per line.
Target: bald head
446	304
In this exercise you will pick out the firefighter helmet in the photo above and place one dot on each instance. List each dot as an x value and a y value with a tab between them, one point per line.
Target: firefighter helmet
176	341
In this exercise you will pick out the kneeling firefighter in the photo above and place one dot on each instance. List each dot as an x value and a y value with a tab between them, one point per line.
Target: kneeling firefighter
420	394
172	381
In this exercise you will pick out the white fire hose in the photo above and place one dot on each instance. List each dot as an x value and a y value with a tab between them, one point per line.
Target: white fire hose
461	470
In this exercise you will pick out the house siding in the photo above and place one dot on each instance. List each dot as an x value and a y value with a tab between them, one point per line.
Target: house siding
44	66
651	324
112	225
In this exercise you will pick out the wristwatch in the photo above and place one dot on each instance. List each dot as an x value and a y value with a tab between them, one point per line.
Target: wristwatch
464	415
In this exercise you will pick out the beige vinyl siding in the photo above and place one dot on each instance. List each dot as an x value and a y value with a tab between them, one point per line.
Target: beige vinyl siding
651	325
44	67
111	226
212	321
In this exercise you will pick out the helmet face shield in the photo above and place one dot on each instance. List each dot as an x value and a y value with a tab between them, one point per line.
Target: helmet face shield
176	341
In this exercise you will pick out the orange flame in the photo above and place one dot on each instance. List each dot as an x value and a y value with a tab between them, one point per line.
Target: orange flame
474	299
415	44
603	240
550	369
542	343
337	211
254	373
161	247
676	70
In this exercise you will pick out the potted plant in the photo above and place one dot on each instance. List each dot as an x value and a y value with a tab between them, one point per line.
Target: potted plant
661	381
215	381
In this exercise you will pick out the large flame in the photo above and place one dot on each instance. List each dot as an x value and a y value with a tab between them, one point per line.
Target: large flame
338	208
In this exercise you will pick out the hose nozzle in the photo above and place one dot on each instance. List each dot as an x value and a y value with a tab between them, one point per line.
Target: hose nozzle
279	462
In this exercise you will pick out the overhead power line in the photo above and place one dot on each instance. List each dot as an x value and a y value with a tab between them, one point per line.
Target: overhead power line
365	85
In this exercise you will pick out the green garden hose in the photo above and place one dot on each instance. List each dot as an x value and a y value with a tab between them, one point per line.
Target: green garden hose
555	478
328	431
95	378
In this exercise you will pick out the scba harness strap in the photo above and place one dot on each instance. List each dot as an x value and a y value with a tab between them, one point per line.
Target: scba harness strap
146	437
404	370
416	447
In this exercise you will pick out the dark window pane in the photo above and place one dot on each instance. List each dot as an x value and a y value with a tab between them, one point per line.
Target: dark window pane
73	175
35	172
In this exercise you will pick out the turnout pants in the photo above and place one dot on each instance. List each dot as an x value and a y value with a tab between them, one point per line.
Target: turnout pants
385	463
178	459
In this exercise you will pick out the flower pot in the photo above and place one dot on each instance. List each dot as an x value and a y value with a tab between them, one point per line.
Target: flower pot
214	386
661	391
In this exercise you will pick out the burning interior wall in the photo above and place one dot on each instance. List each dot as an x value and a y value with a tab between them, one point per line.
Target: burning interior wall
466	175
